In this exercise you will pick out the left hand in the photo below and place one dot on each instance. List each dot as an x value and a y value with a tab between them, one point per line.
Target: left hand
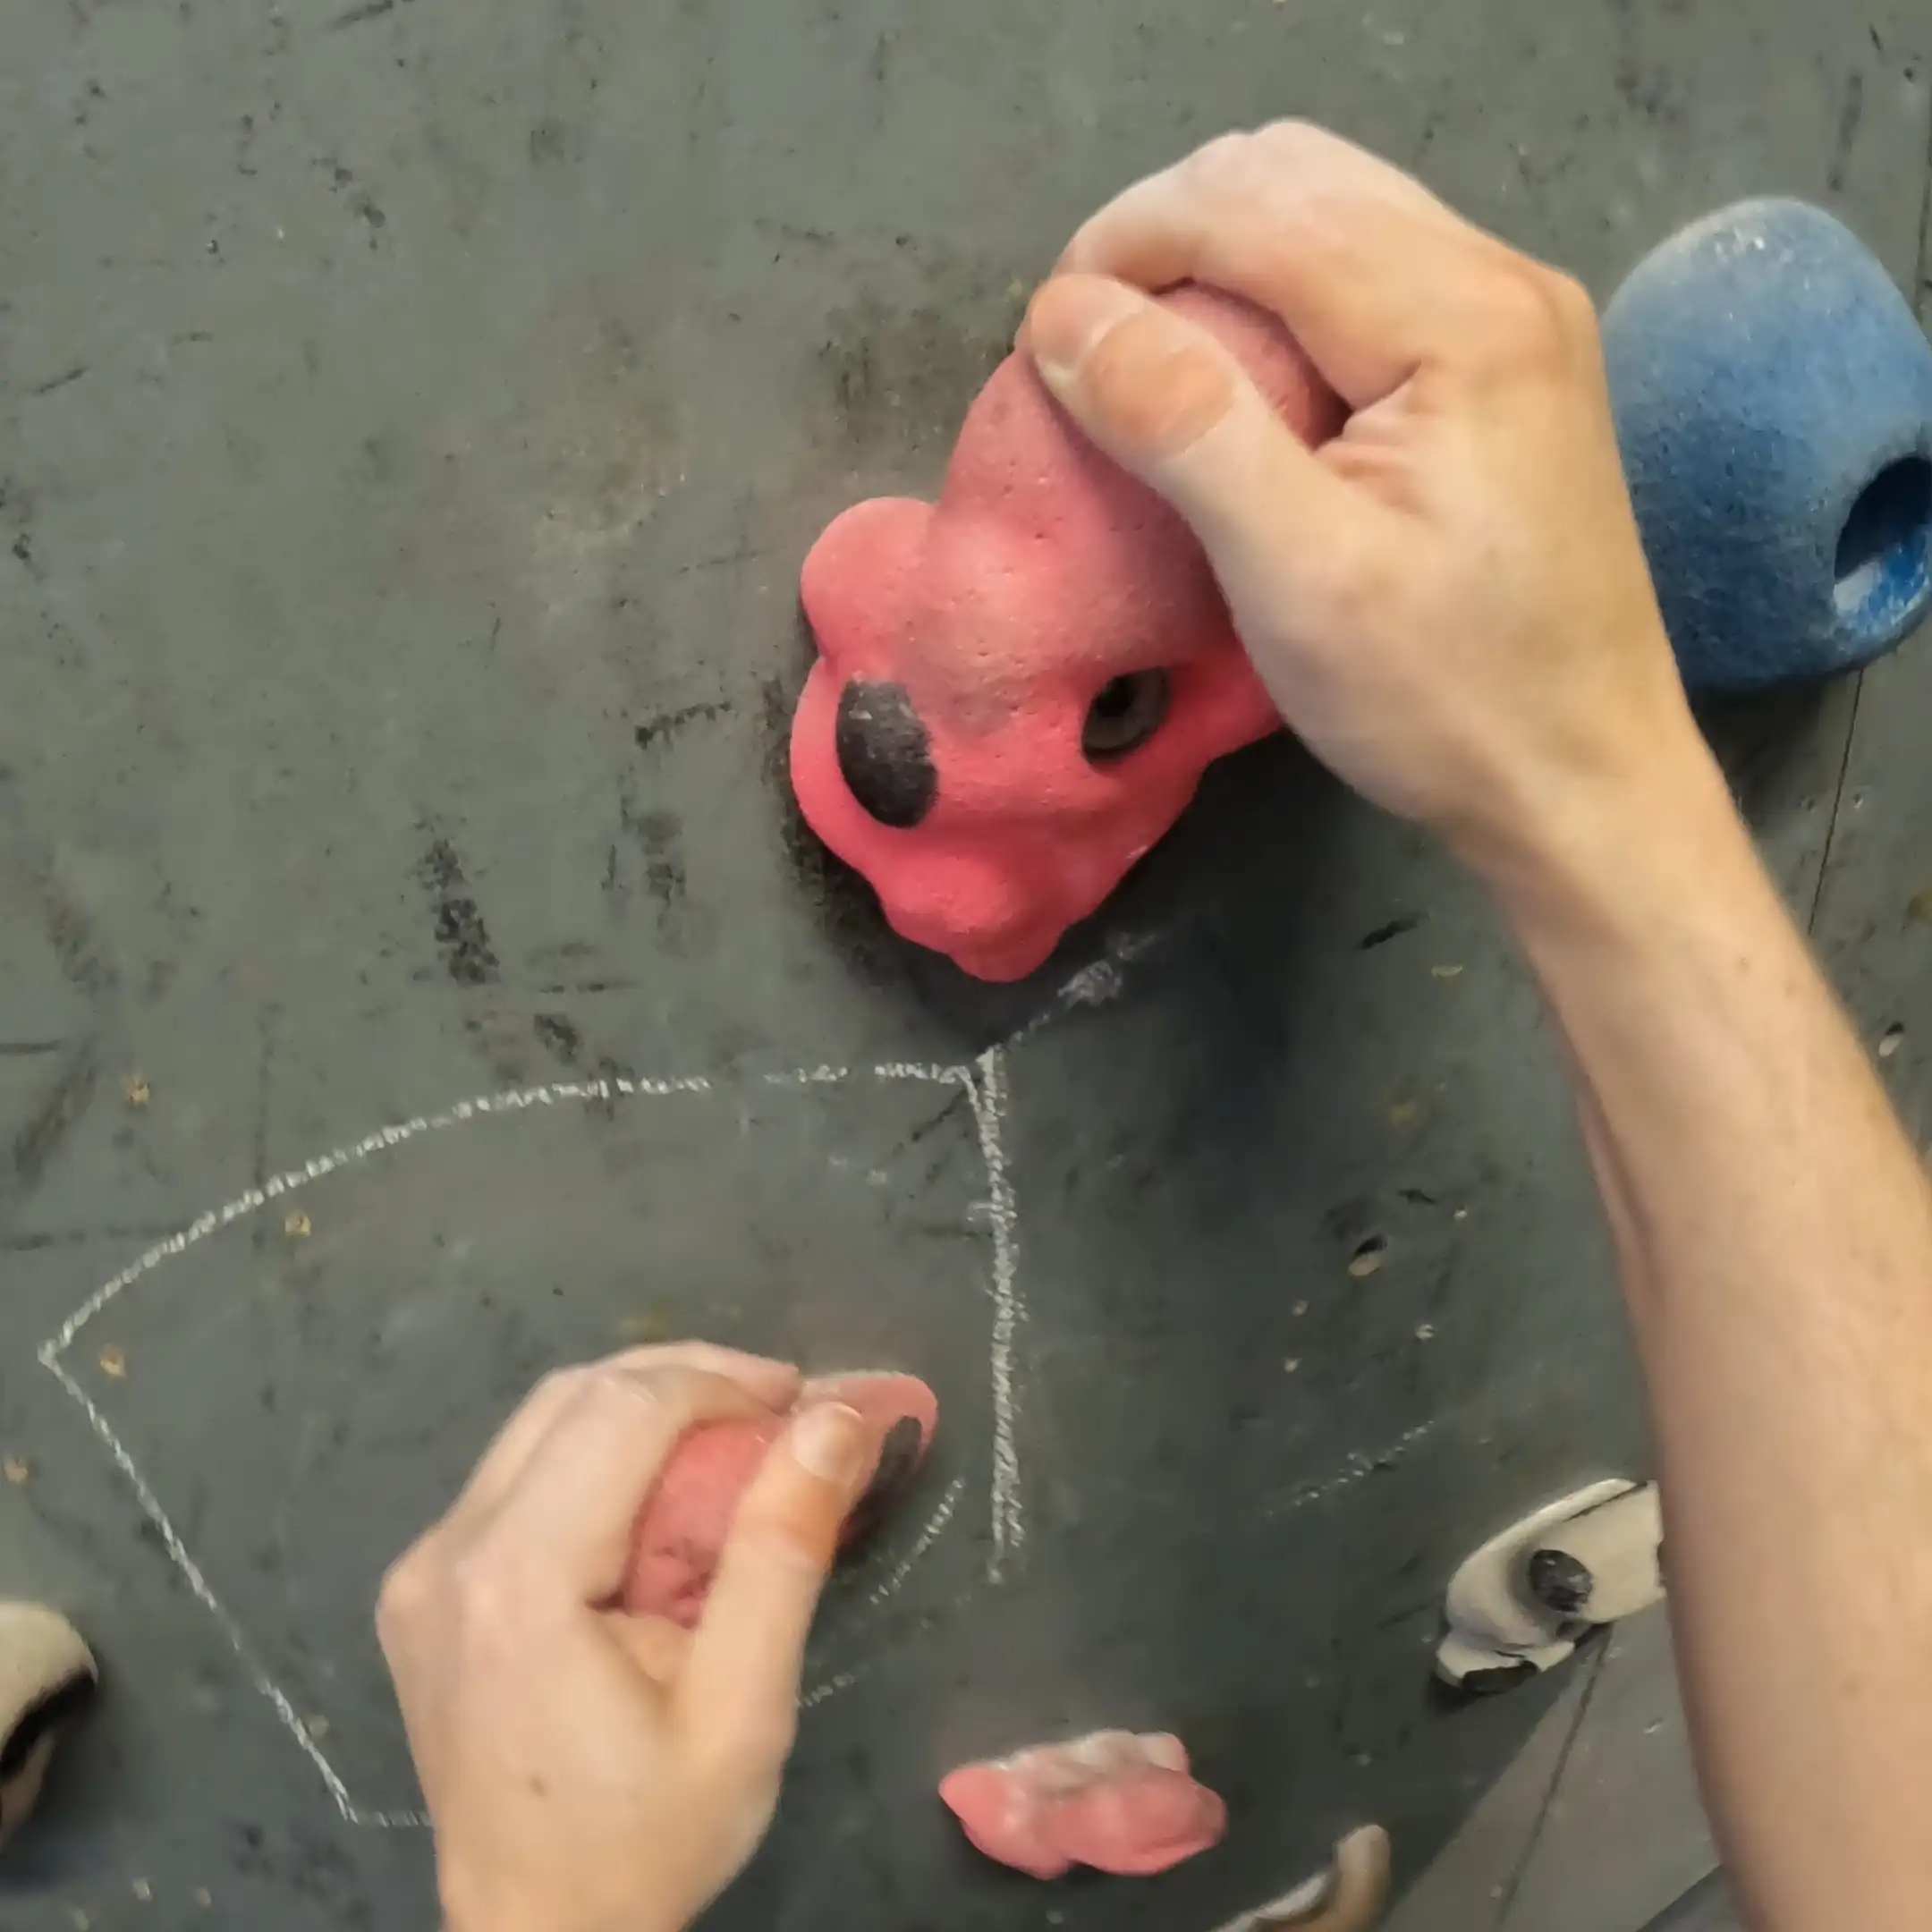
586	1770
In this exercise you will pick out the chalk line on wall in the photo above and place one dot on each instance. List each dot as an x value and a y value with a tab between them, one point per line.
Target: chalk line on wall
985	1085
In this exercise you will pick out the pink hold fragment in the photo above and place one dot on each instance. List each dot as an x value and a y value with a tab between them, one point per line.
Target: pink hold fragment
1118	1801
682	1526
1018	687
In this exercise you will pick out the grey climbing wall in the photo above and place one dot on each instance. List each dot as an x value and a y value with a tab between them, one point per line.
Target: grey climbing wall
411	417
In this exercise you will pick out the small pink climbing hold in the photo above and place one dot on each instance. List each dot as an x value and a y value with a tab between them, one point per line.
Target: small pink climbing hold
682	1526
1118	1801
1019	687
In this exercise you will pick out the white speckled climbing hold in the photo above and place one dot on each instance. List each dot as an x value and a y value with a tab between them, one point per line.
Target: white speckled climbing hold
1523	1601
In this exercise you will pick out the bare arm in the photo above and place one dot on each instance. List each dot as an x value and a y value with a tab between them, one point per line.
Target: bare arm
1774	1234
1450	603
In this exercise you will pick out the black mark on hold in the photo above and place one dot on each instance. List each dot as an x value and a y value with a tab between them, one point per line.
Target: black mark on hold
840	899
461	934
884	753
666	725
1560	1582
1850	113
60	381
1395	930
898	1461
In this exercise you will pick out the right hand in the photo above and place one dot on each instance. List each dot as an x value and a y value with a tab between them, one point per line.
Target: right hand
1449	601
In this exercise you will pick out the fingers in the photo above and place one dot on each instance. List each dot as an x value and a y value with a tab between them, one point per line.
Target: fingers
569	1512
1169	403
1366	267
774	1384
740	1683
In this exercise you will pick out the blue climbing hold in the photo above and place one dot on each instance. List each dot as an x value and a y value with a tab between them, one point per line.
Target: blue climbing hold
1773	394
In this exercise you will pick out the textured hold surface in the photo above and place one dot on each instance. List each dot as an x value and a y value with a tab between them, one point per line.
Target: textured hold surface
46	1672
681	1529
1348	1897
1773	402
1020	687
1119	1802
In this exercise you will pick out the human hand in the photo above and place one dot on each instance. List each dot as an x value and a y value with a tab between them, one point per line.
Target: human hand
585	1770
1449	601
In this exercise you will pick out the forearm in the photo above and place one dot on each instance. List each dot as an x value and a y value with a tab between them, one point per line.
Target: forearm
1774	1231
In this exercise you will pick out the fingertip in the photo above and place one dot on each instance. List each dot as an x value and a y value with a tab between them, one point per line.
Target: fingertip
1066	320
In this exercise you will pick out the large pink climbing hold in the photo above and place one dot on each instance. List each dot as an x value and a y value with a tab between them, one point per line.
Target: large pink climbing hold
1019	688
682	1529
1119	1802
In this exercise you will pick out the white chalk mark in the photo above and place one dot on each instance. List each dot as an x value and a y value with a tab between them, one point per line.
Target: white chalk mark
923	1542
1358	1466
1096	984
943	1076
178	1554
989	1093
823	1693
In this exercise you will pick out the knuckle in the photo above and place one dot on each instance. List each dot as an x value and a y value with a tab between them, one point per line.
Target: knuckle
1575	307
1232	166
404	1593
484	1603
1291	136
1360	583
556	1387
621	1397
1525	315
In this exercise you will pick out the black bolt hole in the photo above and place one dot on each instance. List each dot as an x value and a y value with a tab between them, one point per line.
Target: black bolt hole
1884	564
1125	713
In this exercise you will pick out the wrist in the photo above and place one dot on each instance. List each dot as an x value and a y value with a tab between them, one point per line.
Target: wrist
1617	855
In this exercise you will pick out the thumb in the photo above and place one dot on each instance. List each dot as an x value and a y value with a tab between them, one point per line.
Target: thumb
1170	404
739	1688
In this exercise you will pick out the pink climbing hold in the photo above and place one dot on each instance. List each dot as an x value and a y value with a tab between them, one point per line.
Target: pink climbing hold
1019	688
1120	1802
682	1529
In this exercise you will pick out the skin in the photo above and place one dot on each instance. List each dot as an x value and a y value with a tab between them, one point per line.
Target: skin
1450	603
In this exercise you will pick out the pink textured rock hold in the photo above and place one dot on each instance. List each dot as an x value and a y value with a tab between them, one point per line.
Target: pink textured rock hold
1119	1802
1019	687
682	1529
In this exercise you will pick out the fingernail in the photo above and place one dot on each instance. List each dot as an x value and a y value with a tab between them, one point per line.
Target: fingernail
829	1439
1065	319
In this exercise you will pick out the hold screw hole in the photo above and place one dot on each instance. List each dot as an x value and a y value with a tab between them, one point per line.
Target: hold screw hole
1369	1255
1125	713
1884	565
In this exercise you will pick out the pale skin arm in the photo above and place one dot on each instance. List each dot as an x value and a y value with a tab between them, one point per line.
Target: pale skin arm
1451	606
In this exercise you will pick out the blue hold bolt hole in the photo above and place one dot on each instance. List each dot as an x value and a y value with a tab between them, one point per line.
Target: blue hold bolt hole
1884	552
